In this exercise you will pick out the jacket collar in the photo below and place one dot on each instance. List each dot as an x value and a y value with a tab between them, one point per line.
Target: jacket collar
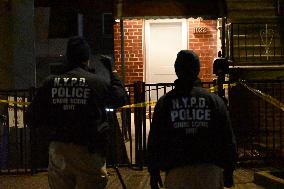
186	85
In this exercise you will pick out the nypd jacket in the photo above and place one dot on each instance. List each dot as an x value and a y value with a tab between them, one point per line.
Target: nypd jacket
190	125
71	106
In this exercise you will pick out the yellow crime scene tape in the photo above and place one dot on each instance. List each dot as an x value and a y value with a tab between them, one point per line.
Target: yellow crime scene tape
259	93
140	105
265	97
225	86
14	102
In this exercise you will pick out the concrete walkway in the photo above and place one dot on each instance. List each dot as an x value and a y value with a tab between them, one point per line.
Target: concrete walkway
134	179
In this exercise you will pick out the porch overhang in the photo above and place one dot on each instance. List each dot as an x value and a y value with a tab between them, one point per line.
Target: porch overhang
207	9
58	3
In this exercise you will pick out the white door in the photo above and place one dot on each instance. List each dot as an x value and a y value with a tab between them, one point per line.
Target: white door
164	39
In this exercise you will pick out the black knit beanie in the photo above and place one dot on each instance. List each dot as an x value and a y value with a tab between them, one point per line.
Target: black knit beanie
78	51
187	65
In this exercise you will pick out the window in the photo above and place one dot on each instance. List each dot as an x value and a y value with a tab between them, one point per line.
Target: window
63	23
107	24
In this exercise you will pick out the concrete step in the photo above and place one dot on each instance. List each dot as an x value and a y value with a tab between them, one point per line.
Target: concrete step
249	3
268	179
254	19
262	7
250	9
253	28
250	13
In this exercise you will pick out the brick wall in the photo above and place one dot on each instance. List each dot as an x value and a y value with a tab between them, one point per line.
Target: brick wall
204	44
133	50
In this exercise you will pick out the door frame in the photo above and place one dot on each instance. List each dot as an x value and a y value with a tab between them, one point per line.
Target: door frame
147	38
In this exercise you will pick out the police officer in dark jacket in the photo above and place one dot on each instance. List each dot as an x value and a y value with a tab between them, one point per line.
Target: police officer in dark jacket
71	107
191	138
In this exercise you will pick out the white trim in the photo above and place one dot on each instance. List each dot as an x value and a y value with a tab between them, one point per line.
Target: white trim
144	47
147	38
146	51
260	67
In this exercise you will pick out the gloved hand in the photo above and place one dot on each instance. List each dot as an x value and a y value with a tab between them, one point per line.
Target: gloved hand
155	179
107	62
228	179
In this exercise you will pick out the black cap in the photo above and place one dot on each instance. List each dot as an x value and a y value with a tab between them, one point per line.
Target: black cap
78	51
187	64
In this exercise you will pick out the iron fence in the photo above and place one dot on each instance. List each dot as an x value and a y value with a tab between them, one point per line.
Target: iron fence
255	43
136	121
256	111
15	137
257	117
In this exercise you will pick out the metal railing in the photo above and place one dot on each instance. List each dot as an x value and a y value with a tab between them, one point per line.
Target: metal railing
255	43
257	123
15	137
136	121
257	117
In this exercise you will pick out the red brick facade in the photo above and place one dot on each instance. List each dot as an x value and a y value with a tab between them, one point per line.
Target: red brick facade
133	50
204	44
